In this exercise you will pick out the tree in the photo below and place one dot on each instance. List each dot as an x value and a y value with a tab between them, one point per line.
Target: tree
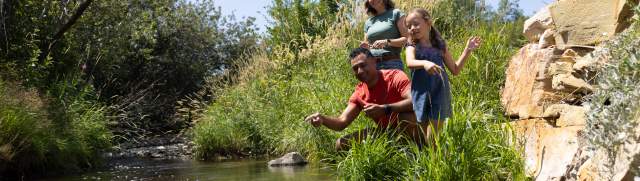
141	56
294	20
508	10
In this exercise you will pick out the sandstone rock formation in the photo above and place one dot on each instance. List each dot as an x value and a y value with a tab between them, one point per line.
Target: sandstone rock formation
547	79
537	24
527	87
588	22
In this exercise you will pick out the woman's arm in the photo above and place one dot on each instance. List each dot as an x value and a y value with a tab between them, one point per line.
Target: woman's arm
455	67
402	40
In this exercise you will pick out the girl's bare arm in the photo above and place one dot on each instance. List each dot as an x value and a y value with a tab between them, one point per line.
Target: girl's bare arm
412	63
455	67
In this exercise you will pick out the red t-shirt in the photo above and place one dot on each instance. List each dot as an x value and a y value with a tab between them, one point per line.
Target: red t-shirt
389	89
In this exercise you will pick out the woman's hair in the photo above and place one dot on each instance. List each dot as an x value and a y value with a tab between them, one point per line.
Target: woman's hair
434	34
388	4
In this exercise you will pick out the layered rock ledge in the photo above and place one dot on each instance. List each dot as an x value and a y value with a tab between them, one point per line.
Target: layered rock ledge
547	80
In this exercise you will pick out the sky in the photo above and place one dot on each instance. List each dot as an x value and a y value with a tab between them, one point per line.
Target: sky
257	8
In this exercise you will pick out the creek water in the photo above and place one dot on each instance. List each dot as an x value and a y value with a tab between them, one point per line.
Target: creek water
144	169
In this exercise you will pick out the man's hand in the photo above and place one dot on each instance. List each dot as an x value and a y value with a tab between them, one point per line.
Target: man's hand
374	111
315	119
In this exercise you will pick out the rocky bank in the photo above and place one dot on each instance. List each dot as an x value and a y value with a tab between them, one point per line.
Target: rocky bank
547	87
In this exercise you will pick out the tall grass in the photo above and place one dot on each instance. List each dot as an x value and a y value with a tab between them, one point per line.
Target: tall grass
380	157
47	134
264	113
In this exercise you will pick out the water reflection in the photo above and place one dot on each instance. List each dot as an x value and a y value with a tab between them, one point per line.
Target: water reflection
195	170
287	172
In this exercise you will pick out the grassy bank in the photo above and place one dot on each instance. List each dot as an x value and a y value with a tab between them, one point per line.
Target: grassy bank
264	113
49	134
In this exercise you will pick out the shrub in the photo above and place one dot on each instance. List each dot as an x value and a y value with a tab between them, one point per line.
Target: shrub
49	134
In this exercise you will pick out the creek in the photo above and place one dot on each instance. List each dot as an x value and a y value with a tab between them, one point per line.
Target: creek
150	169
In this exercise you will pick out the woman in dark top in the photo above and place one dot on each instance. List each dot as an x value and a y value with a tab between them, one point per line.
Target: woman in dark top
385	34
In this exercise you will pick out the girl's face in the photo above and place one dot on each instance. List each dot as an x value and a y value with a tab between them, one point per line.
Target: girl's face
417	26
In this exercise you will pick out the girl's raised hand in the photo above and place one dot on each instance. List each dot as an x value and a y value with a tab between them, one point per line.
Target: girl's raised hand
432	68
473	43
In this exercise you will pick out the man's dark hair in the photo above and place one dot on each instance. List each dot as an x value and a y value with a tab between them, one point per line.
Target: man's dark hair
357	51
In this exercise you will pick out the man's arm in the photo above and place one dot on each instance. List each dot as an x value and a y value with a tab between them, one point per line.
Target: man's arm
339	123
402	106
377	110
402	84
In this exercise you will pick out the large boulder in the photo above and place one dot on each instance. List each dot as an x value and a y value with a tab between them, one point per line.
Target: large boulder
589	22
289	159
528	87
545	159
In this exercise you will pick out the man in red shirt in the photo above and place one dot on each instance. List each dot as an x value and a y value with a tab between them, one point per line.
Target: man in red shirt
384	96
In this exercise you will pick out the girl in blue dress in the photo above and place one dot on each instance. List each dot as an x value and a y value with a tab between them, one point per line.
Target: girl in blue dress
426	55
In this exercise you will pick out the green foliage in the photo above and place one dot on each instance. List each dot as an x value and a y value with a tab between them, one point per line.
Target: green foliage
450	15
468	149
59	134
508	10
22	136
141	56
377	158
298	22
612	118
25	24
274	106
169	50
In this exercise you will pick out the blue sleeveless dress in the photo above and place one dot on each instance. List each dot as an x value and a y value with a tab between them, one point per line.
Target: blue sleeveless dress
430	94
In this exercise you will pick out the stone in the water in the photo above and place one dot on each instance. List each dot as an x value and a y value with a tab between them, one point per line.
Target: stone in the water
289	159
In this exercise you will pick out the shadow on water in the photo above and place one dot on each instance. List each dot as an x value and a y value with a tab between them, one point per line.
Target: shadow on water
144	169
